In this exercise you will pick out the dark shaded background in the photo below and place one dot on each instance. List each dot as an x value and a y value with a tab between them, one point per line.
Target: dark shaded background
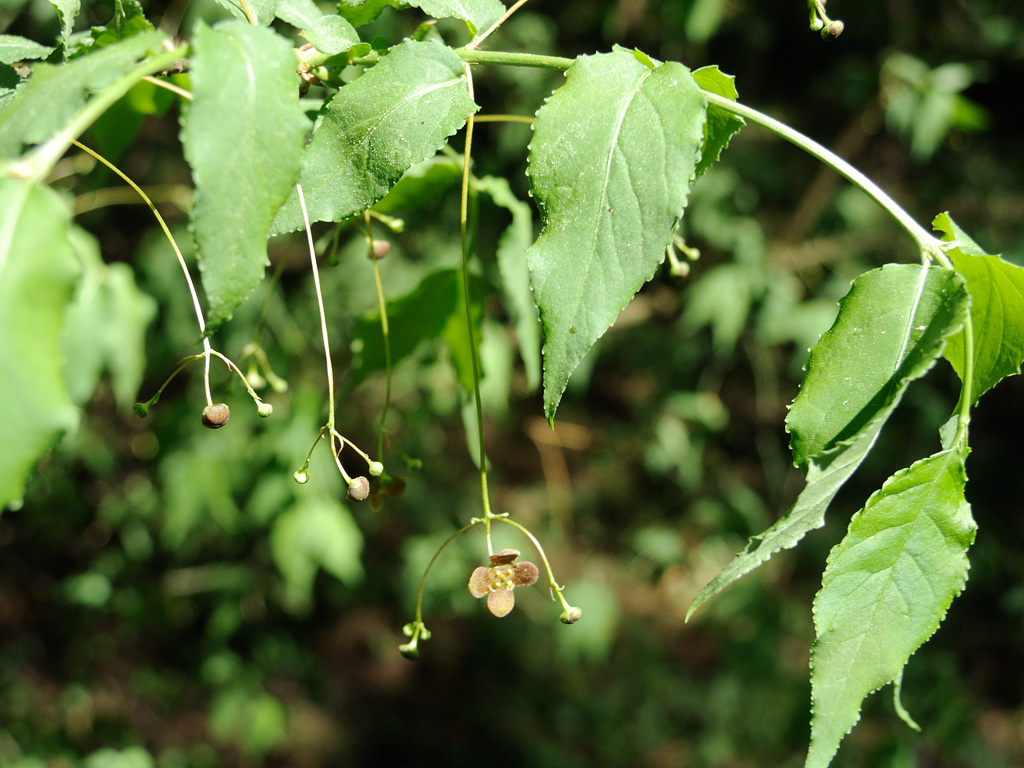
144	618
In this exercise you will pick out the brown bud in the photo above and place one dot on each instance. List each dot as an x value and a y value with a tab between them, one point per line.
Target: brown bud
216	416
359	489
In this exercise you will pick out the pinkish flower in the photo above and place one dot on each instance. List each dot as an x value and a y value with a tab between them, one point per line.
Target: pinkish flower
498	581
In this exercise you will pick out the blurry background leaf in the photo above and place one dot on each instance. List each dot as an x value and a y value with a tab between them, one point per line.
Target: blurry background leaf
105	326
53	94
315	533
330	34
14	48
37	272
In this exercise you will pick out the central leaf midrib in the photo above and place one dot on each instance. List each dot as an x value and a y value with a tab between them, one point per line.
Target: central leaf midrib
627	103
888	586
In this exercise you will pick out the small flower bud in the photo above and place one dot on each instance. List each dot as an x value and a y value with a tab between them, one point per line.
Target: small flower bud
216	416
359	489
834	29
141	410
301	476
381	248
264	409
571	615
376	468
409	650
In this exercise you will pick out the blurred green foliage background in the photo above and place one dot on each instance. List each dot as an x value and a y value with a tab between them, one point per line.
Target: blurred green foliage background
170	597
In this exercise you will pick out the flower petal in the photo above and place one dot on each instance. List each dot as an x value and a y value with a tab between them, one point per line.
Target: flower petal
526	573
500	602
505	557
480	582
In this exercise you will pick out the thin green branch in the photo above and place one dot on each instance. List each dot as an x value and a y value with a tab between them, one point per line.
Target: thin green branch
926	242
503	119
39	162
509	58
464	231
385	333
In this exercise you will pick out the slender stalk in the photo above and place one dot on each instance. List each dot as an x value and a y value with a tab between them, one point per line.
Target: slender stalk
423	579
471	56
490	30
927	243
323	324
555	588
169	86
177	195
207	354
385	334
503	119
966	393
248	14
464	232
163	226
181	366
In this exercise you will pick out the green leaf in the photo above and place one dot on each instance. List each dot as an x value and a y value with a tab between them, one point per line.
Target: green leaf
887	586
329	34
374	129
243	137
721	125
611	161
480	14
891	327
722	300
53	95
106	326
37	272
262	12
360	12
14	48
129	19
67	12
997	311
316	533
434	309
515	273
